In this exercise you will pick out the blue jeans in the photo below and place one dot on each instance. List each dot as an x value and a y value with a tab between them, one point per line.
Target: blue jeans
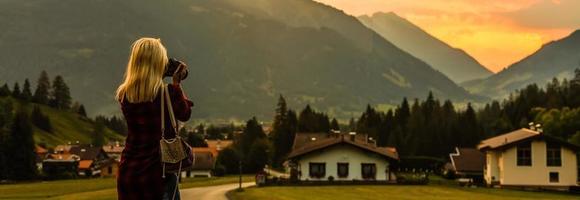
171	187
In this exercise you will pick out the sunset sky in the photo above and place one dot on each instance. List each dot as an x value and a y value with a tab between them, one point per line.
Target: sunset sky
496	32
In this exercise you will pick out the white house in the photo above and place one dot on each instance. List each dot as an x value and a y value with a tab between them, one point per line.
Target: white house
341	157
528	158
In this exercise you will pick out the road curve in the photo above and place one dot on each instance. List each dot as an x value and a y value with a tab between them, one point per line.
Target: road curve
217	192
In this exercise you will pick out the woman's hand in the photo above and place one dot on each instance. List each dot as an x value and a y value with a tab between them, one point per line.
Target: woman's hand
179	73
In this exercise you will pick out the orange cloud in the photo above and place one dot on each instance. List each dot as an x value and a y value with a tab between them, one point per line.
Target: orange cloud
491	31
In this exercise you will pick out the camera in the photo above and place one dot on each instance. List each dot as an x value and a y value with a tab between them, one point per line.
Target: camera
171	67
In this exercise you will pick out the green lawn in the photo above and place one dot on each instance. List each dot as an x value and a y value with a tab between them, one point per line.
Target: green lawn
390	192
94	189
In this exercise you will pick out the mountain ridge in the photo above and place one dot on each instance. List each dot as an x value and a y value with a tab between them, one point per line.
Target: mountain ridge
240	60
556	58
457	64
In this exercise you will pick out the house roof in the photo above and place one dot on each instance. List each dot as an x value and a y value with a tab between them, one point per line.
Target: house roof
219	144
204	160
517	136
85	164
113	148
40	150
319	144
466	160
63	147
303	138
213	151
86	152
62	156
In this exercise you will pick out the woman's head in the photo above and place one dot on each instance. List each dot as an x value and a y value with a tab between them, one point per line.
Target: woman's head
144	75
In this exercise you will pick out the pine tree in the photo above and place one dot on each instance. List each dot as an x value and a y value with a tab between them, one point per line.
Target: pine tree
251	133
5	118
60	93
98	134
26	93
5	90
334	124
16	91
81	111
40	120
42	92
20	149
282	134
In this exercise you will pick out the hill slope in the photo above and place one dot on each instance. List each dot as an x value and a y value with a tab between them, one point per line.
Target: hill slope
67	126
455	63
555	59
242	54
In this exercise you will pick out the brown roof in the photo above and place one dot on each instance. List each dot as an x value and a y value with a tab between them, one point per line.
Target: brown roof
62	156
40	150
521	135
87	152
204	160
219	144
323	143
113	148
467	160
63	147
213	151
85	164
507	138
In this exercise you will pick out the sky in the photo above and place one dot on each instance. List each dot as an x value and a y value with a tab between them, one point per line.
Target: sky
496	33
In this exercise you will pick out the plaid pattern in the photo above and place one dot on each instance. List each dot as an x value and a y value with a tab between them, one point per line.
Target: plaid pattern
140	170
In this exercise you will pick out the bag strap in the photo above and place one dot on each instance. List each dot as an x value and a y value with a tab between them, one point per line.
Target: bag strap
165	97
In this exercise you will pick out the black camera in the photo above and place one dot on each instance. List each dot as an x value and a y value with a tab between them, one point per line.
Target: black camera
171	67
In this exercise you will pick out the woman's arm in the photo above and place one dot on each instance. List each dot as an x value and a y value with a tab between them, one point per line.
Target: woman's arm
181	105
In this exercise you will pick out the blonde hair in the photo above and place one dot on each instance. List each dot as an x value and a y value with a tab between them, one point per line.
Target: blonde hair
144	75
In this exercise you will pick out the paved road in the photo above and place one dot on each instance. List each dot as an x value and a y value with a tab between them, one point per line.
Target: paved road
217	192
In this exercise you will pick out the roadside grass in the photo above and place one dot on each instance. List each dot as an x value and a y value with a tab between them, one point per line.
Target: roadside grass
403	192
94	189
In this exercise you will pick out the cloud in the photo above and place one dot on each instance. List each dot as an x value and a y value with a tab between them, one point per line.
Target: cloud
495	32
554	14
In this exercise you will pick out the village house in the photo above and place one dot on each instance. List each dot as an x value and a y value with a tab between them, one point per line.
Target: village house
114	150
467	165
530	158
204	161
61	165
340	157
93	160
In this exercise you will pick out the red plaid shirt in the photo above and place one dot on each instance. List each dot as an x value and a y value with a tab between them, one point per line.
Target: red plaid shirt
140	170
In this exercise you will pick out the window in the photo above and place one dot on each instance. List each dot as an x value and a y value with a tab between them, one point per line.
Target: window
554	177
317	170
110	170
553	155
524	152
342	170
369	171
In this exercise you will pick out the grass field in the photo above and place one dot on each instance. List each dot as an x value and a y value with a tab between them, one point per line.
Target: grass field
94	189
391	192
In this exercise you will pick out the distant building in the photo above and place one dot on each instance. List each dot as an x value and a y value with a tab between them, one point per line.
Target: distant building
114	150
528	158
217	145
204	161
40	156
92	160
62	165
340	157
468	163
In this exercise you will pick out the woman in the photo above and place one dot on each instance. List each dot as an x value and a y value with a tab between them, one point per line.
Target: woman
140	170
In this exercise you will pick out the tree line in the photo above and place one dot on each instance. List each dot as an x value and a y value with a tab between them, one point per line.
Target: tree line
420	128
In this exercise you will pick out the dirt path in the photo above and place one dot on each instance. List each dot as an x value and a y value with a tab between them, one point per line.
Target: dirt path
217	192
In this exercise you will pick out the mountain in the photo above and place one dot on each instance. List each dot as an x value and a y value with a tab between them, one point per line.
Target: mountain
554	59
66	126
453	62
242	54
